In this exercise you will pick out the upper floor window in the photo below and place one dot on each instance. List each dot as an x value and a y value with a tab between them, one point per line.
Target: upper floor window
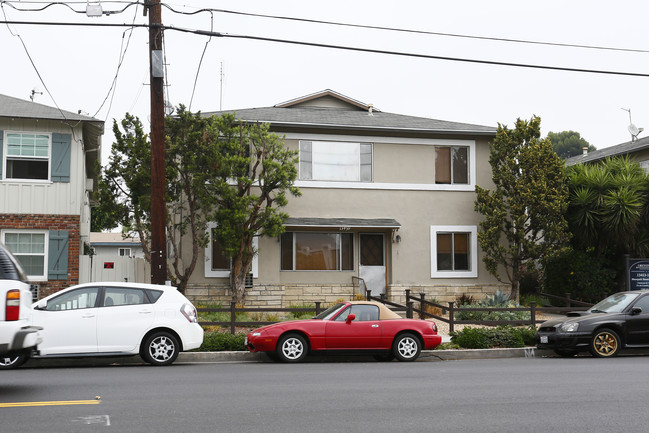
452	165
28	156
317	251
124	252
335	161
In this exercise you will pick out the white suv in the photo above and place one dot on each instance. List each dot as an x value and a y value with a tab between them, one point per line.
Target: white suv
17	337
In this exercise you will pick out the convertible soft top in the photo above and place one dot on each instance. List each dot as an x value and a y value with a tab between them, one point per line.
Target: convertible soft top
384	312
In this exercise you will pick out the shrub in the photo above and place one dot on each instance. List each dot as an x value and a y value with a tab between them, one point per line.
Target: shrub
301	314
470	338
498	300
501	336
583	275
464	299
219	341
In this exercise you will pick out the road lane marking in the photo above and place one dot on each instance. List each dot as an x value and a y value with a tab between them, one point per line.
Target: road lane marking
49	403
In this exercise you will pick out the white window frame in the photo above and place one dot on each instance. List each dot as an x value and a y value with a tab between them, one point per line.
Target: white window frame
473	251
46	250
644	165
127	251
5	156
356	153
451	169
210	273
391	186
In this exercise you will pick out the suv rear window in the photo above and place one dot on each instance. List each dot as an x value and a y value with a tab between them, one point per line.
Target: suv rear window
153	295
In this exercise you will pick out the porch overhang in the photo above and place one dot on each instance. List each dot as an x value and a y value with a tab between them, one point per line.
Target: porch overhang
343	223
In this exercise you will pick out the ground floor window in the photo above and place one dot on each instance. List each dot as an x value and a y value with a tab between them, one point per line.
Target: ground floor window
454	251
317	251
30	249
217	264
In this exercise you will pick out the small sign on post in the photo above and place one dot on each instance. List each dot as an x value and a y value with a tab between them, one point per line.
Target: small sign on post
637	274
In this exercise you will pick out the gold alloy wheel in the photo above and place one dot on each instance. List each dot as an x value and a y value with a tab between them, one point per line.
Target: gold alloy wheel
606	343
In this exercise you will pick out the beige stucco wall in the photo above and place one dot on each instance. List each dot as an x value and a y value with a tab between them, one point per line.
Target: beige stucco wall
403	189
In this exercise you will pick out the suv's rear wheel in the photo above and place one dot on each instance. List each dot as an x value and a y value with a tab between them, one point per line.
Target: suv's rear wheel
9	362
160	348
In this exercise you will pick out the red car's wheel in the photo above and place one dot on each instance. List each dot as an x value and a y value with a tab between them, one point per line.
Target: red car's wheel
406	347
292	348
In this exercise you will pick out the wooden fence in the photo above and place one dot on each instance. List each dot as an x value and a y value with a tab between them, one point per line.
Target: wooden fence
424	308
233	310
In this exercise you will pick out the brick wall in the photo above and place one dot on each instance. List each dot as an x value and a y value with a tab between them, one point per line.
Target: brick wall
69	223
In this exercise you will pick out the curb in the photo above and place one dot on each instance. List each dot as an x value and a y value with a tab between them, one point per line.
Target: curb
240	357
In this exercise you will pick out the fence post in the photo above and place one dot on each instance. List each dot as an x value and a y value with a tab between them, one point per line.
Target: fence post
369	294
382	296
409	310
533	313
317	308
407	295
233	316
422	307
568	301
450	317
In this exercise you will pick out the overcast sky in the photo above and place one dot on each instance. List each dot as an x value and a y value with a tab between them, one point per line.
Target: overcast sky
78	64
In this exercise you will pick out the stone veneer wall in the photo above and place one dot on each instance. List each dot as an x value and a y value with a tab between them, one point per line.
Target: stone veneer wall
283	296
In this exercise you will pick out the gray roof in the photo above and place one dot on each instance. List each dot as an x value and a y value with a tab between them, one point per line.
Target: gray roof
15	107
620	149
349	114
386	223
351	119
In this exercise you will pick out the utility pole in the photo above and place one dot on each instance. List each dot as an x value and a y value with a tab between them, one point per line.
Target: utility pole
158	190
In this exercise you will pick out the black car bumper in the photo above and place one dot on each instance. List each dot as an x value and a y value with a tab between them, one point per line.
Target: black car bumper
572	341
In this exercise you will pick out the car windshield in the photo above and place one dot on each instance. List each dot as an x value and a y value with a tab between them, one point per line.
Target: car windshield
330	312
614	303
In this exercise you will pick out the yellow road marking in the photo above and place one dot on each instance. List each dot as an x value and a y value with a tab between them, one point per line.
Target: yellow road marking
49	403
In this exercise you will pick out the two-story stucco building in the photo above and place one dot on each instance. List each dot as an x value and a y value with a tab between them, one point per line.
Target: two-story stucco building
47	174
387	198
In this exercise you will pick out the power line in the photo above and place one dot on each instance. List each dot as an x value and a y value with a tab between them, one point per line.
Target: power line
315	21
345	48
393	29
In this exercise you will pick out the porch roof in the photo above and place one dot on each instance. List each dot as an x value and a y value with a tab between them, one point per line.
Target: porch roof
383	223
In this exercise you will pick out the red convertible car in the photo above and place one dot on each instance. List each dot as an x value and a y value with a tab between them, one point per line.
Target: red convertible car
347	326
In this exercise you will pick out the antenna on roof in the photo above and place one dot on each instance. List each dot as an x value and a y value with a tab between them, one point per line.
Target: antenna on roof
633	130
34	93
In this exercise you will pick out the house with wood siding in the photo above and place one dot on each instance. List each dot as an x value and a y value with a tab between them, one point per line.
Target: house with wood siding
47	176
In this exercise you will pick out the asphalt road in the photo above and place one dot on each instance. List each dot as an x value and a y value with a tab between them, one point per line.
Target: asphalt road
495	395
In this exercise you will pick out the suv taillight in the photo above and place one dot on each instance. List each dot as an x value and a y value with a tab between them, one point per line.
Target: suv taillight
13	305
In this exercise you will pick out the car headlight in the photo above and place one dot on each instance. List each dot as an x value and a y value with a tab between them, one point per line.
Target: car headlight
570	327
256	334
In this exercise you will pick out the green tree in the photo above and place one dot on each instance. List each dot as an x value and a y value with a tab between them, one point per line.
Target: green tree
524	213
569	143
217	169
609	207
252	174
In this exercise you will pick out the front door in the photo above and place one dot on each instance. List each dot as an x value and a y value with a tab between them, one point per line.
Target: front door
372	261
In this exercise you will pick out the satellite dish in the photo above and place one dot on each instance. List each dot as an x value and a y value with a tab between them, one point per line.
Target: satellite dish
633	130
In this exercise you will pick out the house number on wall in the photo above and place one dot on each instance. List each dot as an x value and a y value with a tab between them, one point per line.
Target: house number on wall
344	229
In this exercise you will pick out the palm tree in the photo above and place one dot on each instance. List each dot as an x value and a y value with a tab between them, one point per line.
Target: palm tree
608	207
